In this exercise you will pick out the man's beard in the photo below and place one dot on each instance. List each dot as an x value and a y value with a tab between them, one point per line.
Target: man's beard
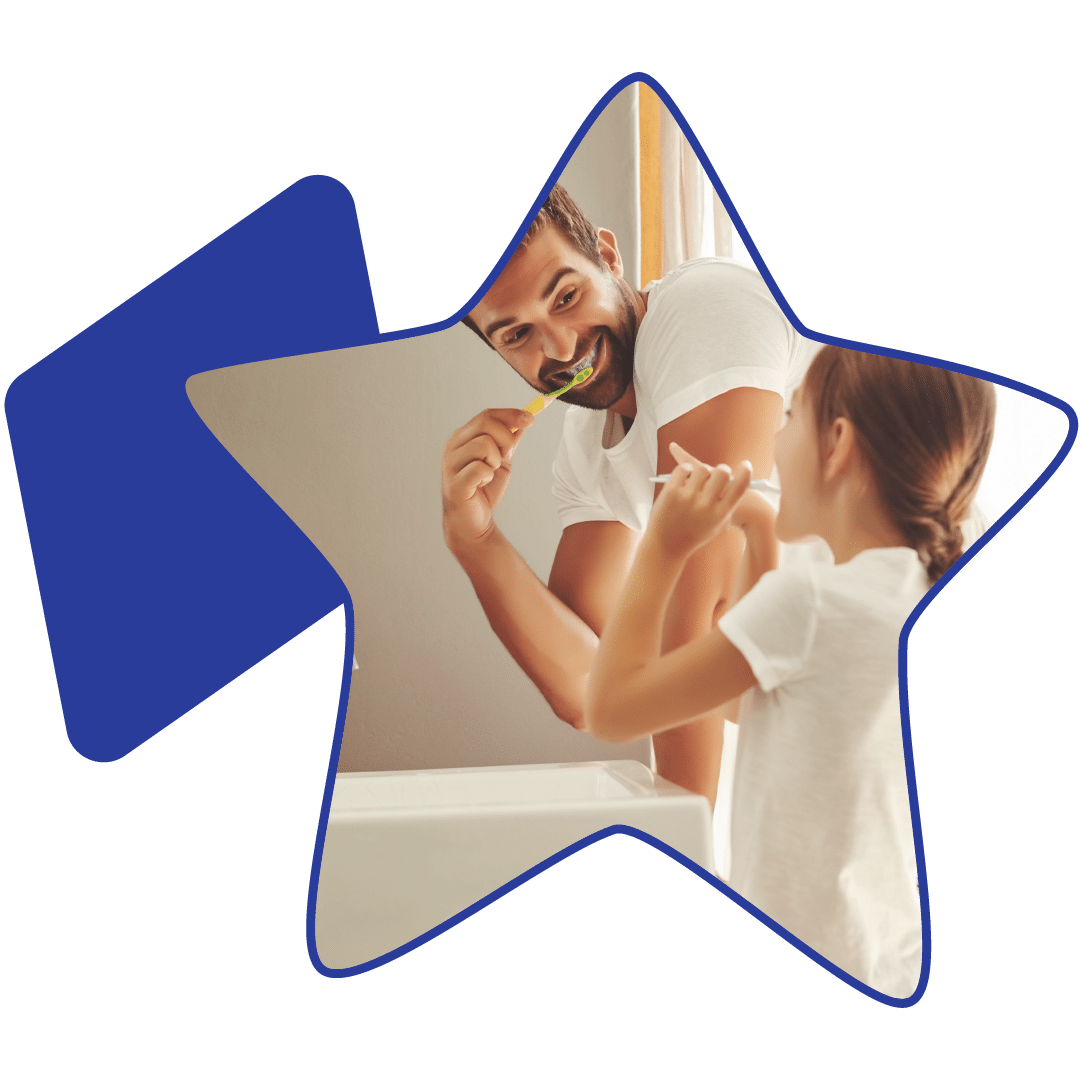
603	390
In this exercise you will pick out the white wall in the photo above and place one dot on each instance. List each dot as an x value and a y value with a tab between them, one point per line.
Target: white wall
603	177
1027	435
349	444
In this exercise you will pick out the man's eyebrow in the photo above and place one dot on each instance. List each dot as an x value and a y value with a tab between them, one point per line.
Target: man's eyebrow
554	283
490	330
552	286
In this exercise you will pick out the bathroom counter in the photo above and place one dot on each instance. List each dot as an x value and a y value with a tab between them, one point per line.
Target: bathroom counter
405	851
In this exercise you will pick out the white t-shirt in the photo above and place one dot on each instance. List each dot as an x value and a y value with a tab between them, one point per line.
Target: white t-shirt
711	325
821	837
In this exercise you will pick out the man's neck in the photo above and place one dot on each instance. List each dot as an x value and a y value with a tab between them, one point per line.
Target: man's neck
626	406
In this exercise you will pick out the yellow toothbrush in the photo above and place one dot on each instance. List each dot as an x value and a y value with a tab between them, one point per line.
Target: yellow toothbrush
539	404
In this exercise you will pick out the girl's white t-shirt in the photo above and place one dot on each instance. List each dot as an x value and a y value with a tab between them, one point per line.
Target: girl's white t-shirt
821	836
711	326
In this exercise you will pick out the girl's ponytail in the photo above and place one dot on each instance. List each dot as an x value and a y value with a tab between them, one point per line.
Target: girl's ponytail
925	434
938	538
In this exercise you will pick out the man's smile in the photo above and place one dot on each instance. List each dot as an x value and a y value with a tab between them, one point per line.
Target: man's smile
566	375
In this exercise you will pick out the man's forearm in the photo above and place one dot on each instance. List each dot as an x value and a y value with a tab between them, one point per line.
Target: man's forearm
549	642
690	755
620	704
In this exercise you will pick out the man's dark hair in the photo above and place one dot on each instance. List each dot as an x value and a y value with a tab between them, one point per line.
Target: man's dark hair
561	211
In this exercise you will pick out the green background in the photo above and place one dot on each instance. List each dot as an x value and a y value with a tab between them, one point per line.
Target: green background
908	177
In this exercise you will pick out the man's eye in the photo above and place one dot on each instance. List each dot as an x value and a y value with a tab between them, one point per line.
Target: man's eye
568	297
516	336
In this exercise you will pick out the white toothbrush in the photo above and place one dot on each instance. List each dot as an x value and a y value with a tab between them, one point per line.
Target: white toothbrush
755	485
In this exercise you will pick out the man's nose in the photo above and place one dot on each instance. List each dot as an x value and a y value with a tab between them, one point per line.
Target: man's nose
559	342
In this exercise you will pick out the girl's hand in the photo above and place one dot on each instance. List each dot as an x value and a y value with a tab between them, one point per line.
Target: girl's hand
696	503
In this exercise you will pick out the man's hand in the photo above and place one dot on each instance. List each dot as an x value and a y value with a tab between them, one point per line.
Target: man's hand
476	472
695	504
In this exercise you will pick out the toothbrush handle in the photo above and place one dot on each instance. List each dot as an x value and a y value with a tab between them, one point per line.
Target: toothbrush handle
755	485
537	405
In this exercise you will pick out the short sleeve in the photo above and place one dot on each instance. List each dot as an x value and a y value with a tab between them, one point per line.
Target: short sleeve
573	503
711	326
773	626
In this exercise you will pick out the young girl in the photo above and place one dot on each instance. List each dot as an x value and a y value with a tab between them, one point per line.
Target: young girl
881	458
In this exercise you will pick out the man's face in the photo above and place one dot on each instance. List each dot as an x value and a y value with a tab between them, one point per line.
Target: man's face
553	312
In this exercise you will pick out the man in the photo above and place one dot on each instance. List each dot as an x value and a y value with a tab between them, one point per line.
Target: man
703	358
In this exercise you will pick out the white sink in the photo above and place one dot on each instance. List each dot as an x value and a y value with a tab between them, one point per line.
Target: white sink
405	851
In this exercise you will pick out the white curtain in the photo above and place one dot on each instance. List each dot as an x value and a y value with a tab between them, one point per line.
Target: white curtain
695	221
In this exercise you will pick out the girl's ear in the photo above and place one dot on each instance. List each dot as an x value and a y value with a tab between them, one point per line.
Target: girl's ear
838	449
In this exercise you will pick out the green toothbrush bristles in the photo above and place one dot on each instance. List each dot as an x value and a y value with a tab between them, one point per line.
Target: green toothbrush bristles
540	403
580	377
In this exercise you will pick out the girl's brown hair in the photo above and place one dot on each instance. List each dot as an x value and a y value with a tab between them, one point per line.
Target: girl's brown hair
924	432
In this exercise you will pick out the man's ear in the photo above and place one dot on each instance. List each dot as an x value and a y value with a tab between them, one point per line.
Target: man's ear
839	452
609	251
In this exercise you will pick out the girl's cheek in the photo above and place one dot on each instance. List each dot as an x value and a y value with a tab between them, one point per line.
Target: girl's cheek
780	444
780	460
780	527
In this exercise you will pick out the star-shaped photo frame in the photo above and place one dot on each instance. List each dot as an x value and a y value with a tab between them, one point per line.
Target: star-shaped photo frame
165	572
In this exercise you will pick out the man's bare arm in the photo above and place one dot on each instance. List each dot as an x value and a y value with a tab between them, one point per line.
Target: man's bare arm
734	427
590	568
552	633
550	642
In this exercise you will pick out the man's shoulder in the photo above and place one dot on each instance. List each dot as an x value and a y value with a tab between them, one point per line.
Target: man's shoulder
711	325
706	294
708	275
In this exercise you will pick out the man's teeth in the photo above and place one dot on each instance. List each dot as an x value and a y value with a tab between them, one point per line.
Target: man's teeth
581	365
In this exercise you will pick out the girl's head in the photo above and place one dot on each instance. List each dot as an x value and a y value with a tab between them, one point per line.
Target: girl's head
921	436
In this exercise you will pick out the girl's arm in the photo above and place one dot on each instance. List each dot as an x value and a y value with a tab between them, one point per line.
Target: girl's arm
633	690
755	516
